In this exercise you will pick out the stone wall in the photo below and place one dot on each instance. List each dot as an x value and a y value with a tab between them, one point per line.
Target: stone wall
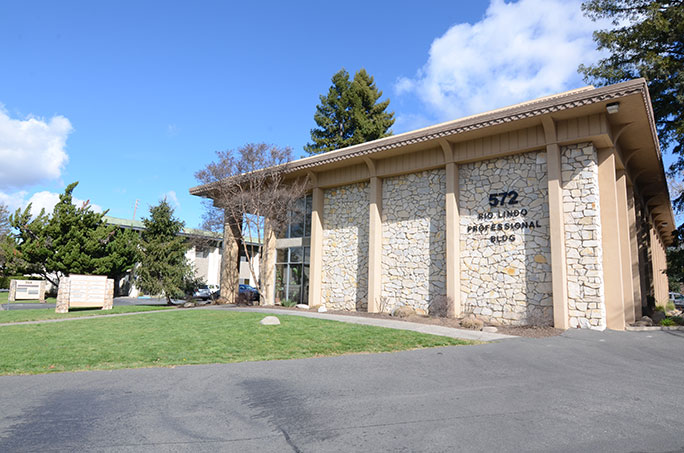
413	239
345	247
505	251
583	249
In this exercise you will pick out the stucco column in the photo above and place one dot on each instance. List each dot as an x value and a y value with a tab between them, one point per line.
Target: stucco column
659	264
375	244
453	240
316	258
267	265
230	263
610	241
634	253
625	246
559	272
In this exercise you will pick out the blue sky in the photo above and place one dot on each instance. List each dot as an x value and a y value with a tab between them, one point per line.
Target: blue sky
131	98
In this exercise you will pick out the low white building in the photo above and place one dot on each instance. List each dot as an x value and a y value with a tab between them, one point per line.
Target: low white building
204	253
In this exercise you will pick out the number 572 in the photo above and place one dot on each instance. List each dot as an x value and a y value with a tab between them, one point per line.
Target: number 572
502	198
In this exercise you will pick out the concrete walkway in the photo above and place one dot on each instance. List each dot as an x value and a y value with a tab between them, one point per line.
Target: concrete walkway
452	332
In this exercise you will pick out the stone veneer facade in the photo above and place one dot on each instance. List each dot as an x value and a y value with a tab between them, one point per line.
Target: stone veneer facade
583	251
505	251
413	239
505	273
344	284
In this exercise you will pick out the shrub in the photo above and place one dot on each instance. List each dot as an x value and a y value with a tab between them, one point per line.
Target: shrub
673	321
383	304
440	306
670	305
288	303
659	308
470	323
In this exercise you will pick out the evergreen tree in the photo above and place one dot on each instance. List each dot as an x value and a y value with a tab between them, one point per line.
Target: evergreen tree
350	114
647	41
5	240
73	240
164	269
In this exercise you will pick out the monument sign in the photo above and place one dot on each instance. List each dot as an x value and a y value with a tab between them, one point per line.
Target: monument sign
27	290
85	291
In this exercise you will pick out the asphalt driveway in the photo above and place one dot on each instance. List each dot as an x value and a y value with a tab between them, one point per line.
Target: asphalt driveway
582	391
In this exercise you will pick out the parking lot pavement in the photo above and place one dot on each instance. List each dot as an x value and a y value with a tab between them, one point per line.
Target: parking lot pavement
581	391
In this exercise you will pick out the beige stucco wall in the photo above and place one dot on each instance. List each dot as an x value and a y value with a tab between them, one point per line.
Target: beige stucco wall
344	277
413	239
505	273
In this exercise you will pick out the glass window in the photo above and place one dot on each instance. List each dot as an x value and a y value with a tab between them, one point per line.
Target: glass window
299	224
296	255
280	282
292	277
307	217
281	255
307	253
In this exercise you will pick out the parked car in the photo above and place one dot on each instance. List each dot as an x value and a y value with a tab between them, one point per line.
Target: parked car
249	293
677	299
205	292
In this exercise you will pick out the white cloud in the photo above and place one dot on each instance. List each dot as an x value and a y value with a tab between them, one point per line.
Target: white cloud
517	52
31	150
39	200
171	198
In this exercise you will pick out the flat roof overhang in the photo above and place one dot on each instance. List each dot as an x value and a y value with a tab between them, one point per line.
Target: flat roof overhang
631	130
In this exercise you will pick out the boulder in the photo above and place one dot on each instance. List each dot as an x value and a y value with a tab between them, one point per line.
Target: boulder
322	309
490	329
270	321
403	312
302	306
188	305
657	317
421	312
644	322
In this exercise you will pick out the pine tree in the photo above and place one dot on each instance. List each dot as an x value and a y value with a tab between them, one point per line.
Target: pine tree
164	269
6	244
369	119
350	114
647	40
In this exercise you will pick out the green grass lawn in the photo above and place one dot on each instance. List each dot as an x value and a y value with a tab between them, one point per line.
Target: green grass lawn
190	337
39	314
4	296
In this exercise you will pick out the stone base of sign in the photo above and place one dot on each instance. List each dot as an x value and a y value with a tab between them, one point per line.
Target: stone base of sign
85	291
62	305
29	288
109	295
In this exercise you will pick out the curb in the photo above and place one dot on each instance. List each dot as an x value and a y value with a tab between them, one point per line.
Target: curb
652	328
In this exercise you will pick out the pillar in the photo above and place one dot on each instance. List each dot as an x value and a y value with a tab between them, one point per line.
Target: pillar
610	240
559	273
453	241
375	244
634	253
659	263
267	265
230	262
316	258
625	246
